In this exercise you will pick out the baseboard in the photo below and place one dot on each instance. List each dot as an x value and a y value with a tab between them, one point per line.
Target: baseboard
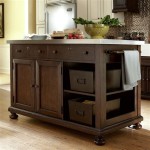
5	58
5	70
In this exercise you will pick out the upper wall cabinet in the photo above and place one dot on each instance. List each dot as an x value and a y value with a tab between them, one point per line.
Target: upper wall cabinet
40	16
95	11
82	12
125	5
100	8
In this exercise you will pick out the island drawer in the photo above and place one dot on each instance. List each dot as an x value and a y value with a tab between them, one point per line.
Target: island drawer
29	51
19	51
57	51
38	51
82	111
72	52
81	52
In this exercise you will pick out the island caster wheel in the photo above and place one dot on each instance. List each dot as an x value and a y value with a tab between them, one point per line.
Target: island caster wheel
99	140
13	116
137	126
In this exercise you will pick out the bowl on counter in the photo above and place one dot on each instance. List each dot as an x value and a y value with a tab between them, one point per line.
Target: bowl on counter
38	37
96	31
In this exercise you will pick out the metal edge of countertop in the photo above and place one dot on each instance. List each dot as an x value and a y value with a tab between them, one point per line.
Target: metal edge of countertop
78	41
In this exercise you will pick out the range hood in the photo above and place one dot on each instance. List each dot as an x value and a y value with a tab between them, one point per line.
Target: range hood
59	2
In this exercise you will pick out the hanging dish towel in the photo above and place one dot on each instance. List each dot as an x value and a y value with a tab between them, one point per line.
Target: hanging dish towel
131	71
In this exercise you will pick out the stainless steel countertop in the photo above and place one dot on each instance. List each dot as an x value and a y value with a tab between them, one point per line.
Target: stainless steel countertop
78	41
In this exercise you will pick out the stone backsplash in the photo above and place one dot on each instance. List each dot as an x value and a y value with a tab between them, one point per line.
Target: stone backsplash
135	22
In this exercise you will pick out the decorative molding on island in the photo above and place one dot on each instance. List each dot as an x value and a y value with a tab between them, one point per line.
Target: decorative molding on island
43	85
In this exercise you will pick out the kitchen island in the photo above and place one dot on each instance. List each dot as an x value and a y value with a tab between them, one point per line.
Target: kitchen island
65	82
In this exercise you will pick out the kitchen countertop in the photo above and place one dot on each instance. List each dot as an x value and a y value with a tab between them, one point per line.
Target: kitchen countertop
78	41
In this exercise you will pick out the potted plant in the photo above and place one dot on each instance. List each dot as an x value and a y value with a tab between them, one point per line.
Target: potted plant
100	28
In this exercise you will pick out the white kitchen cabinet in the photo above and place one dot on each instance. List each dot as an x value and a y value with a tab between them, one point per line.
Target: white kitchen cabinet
82	12
97	9
94	10
40	16
40	29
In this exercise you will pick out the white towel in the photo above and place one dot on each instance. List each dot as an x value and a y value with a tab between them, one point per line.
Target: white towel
131	71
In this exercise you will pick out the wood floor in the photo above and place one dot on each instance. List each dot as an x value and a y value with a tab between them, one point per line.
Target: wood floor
31	134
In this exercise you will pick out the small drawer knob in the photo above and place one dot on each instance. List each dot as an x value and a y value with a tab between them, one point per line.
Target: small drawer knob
54	51
86	52
18	50
39	51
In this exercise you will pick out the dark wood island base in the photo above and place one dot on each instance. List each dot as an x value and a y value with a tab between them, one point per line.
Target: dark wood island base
43	85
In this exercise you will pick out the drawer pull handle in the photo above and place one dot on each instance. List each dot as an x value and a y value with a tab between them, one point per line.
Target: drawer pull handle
36	86
39	51
28	47
54	51
18	50
79	112
32	86
69	48
81	81
86	53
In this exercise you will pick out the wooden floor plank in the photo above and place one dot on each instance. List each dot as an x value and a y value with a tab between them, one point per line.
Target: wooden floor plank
31	134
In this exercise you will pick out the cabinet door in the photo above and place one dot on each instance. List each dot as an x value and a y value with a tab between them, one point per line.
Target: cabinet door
40	11
82	12
120	4
148	80
23	84
101	8
48	81
94	11
143	79
40	29
125	5
40	16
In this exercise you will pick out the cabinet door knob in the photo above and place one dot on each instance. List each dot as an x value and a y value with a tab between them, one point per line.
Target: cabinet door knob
28	47
18	50
86	53
39	51
79	112
54	51
32	86
36	86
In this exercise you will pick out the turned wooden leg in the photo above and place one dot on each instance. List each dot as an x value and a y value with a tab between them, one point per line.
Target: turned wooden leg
13	116
99	140
136	126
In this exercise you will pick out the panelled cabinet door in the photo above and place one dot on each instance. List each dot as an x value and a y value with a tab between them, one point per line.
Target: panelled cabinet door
94	9
125	5
40	11
40	16
23	84
100	8
48	81
120	4
148	80
40	29
143	79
